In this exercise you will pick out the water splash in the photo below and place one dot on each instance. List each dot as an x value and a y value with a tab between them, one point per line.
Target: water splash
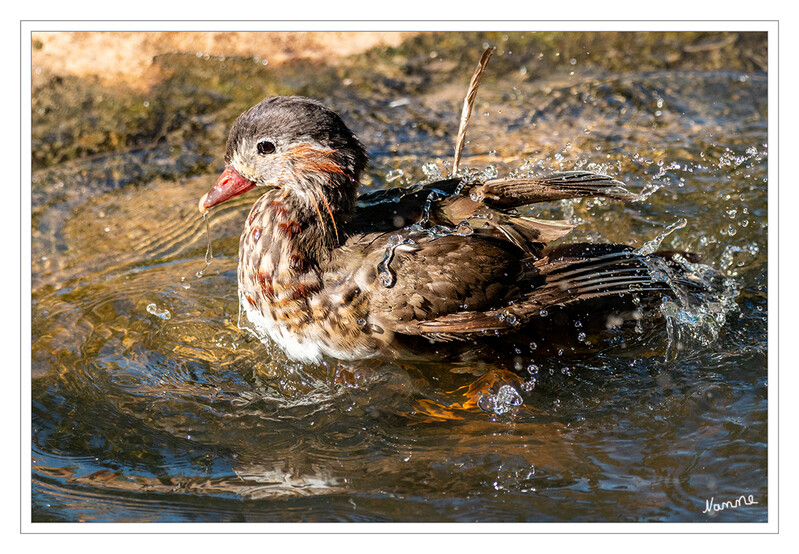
464	229
505	400
698	310
394	175
490	172
651	246
156	311
209	255
735	257
385	274
428	206
432	171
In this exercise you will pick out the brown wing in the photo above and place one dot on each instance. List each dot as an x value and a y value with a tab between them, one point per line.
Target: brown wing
510	193
562	280
420	277
451	286
484	205
489	206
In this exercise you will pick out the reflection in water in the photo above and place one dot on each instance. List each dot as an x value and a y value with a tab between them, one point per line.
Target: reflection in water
150	404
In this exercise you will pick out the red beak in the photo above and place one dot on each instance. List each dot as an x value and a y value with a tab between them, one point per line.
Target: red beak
229	184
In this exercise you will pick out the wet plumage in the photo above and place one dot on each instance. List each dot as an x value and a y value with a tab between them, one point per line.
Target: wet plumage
325	273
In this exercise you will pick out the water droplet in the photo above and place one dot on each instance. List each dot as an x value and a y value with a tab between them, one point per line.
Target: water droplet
163	314
464	229
209	255
394	174
431	170
614	321
490	172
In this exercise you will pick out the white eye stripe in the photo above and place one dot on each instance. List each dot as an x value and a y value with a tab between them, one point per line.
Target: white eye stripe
243	166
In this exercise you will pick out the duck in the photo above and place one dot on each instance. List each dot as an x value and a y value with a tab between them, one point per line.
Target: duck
326	273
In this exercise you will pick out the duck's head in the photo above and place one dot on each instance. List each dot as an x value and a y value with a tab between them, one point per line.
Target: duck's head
295	144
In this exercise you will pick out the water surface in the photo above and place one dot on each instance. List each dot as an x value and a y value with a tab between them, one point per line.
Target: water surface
150	404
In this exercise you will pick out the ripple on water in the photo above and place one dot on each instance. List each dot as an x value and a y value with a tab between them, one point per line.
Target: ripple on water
145	418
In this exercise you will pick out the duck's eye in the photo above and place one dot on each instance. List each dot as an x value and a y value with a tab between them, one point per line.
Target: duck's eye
265	147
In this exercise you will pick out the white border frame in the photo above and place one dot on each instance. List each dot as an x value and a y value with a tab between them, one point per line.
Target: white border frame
27	27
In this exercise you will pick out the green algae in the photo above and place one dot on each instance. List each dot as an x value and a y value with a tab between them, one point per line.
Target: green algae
74	118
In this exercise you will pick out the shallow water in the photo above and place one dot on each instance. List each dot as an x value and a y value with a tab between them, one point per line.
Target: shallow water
150	404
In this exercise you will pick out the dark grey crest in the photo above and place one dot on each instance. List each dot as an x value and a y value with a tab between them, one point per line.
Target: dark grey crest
288	118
